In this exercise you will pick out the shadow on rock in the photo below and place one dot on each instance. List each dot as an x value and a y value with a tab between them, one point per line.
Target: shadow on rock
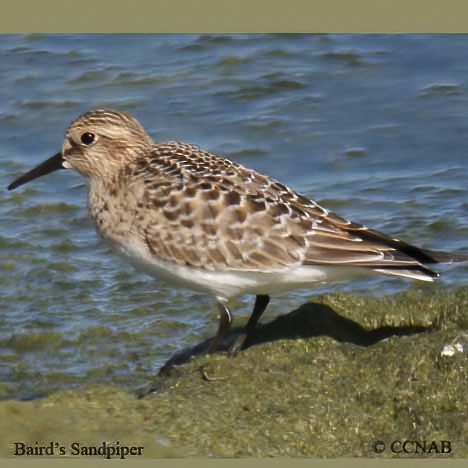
309	320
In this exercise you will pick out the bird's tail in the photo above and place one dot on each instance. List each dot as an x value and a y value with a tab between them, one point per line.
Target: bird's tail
444	257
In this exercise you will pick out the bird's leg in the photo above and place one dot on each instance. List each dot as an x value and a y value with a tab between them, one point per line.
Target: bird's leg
225	319
261	303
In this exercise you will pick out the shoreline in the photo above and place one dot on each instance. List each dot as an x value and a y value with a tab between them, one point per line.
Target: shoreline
375	372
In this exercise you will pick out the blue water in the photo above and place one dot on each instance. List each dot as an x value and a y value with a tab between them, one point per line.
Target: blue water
374	127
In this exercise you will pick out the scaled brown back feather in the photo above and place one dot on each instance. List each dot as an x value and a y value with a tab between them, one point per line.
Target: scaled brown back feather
204	202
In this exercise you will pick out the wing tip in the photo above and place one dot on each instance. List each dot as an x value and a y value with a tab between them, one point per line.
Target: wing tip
420	273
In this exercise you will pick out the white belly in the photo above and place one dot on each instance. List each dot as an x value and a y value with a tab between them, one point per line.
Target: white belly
230	283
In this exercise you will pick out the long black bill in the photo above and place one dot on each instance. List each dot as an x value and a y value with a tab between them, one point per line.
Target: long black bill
52	164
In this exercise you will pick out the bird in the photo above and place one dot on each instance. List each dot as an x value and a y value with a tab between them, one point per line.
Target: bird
188	216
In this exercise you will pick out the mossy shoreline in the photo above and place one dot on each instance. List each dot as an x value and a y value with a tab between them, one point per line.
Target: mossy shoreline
327	380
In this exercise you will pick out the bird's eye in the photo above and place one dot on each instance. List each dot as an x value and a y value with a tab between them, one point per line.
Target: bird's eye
88	138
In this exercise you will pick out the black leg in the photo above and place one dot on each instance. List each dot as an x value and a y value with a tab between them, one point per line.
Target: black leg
261	303
225	319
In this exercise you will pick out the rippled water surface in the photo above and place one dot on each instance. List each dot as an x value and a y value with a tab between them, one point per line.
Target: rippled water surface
374	127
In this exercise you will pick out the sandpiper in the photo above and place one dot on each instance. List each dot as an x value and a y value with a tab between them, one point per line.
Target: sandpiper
181	213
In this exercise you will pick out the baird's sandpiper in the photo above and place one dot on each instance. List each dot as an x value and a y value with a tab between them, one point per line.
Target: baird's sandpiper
181	213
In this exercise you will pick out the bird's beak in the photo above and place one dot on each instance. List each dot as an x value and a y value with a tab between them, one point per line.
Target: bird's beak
50	165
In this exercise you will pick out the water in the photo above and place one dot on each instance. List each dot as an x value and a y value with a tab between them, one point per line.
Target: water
373	126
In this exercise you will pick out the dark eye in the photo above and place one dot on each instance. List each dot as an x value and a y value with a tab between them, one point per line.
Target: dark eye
88	138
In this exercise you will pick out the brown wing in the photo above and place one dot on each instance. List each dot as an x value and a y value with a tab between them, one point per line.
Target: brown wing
336	240
203	211
215	214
